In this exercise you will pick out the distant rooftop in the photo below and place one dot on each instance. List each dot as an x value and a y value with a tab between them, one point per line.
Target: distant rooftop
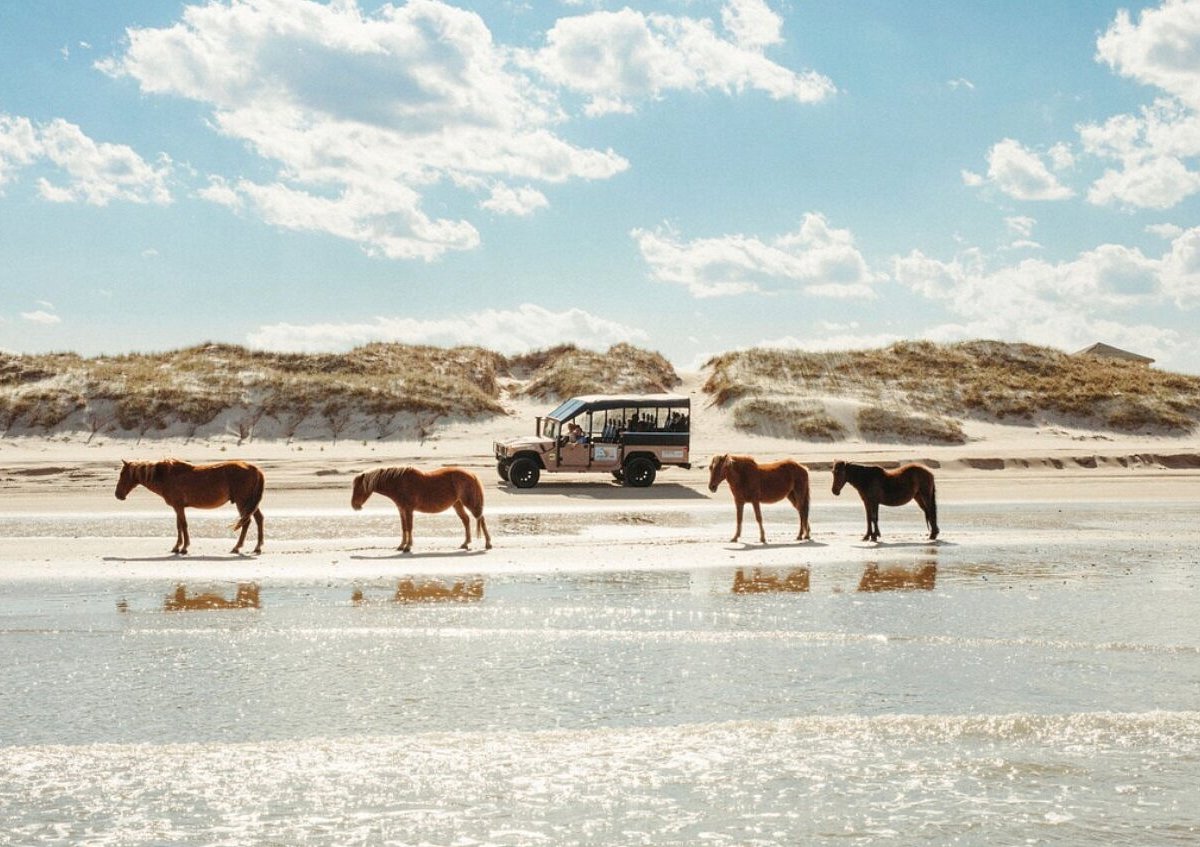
1110	352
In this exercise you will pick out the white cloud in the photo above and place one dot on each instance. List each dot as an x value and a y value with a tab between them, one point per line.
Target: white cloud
816	257
1181	269
1162	49
86	171
40	316
361	114
1021	225
506	200
1066	304
1168	231
19	145
752	23
1156	149
507	331
620	58
1021	173
961	82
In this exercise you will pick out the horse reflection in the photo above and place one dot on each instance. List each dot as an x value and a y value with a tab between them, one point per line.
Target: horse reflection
246	597
795	580
431	591
920	577
436	591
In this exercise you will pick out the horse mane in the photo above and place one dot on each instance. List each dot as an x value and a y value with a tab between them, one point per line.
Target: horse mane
371	480
143	472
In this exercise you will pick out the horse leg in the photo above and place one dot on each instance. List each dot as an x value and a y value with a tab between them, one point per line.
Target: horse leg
762	533
466	522
406	525
874	521
244	523
182	540
737	532
258	520
482	530
797	500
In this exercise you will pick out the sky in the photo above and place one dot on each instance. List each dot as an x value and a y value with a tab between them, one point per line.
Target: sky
690	176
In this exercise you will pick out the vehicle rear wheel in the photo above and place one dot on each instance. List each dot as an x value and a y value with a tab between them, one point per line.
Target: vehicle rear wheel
524	473
502	469
639	472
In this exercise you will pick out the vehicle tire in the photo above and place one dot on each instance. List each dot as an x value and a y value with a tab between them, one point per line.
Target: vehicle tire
639	472
524	473
502	469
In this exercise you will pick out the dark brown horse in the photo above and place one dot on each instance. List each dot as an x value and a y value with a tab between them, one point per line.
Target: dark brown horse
203	487
756	484
876	486
414	490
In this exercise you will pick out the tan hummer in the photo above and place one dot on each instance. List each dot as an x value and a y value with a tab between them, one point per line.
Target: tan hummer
629	436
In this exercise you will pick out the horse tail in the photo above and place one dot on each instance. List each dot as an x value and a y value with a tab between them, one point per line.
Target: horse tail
247	508
472	495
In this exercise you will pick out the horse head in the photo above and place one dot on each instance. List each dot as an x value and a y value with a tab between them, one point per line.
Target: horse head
361	492
717	470
839	476
126	481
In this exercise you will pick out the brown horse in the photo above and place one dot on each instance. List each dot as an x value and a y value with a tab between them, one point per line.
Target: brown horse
414	490
203	487
754	483
891	488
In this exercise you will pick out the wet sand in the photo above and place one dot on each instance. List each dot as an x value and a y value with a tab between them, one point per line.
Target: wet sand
614	671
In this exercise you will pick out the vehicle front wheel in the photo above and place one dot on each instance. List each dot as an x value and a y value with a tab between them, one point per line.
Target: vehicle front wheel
502	469
639	473
524	473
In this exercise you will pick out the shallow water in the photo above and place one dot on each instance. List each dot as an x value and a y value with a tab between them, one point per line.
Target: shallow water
1039	686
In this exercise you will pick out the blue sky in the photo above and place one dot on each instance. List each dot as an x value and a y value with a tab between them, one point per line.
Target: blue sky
690	176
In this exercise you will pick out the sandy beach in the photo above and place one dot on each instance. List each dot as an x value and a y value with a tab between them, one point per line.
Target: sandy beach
614	670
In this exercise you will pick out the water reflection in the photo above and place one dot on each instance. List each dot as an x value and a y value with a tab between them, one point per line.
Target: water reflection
921	576
246	597
431	591
761	582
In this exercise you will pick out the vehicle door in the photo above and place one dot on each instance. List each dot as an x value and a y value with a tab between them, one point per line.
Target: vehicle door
574	455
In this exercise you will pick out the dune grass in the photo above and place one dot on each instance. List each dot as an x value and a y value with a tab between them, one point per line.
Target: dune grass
798	419
876	423
982	380
374	391
568	371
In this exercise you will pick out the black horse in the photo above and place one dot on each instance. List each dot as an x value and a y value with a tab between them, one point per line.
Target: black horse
875	485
